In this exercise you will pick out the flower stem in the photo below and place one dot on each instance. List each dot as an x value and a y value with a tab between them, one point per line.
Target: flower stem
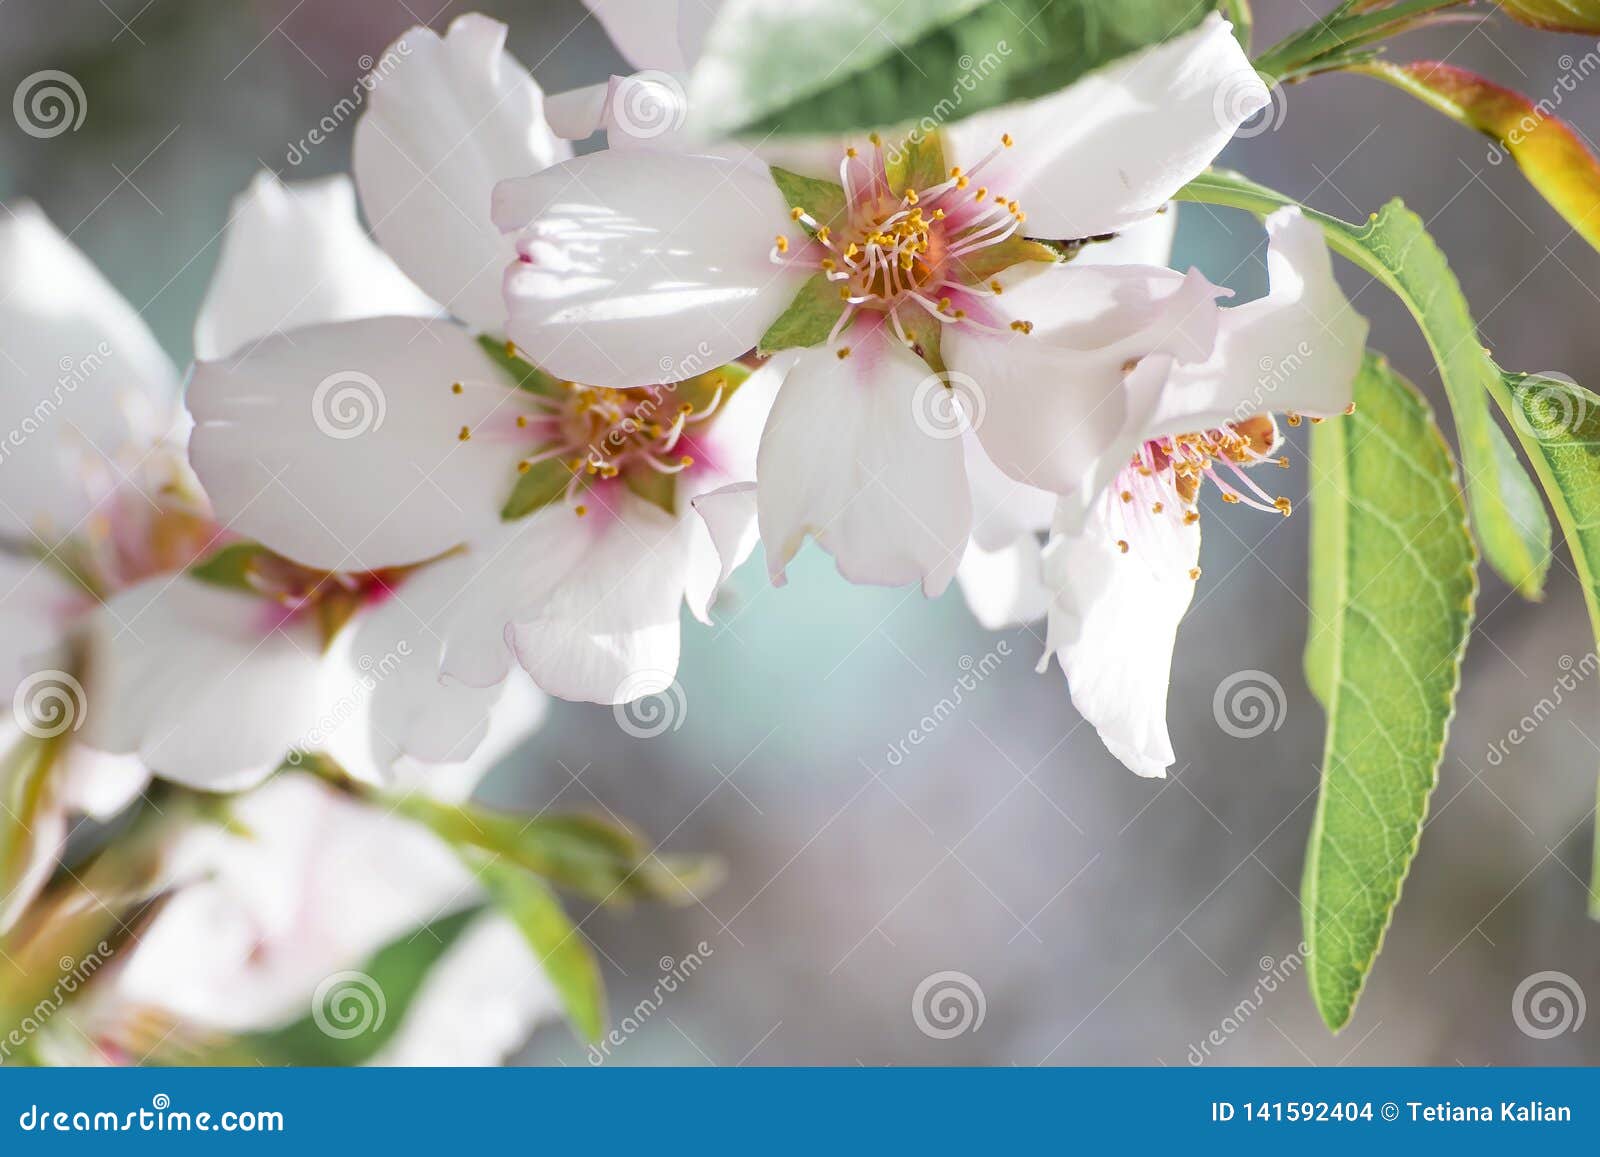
1353	25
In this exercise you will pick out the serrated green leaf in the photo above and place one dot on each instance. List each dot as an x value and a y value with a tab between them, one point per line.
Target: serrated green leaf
1397	609
537	487
822	201
524	375
809	319
560	947
1394	246
838	65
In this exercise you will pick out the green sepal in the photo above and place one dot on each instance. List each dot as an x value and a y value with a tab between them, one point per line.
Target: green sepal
809	319
980	265
537	487
656	488
926	333
525	375
821	200
916	163
230	566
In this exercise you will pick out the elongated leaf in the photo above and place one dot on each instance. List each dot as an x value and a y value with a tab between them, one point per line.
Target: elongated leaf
1556	15
561	948
1397	610
602	860
834	65
1553	158
1395	248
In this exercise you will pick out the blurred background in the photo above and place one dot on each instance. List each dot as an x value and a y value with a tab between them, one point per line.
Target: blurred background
1104	919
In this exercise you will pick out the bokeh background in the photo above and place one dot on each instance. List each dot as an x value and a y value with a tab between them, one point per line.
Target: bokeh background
1105	918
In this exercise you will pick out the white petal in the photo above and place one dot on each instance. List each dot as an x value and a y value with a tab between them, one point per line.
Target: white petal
339	445
1003	509
589	605
640	267
84	388
730	537
399	722
1114	146
1297	349
1147	242
447	120
663	34
319	885
201	682
1113	619
1004	587
37	607
478	1004
1053	401
97	784
852	456
296	255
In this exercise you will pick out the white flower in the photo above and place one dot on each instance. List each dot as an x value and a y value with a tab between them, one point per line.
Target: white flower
1123	559
133	664
626	258
313	884
575	503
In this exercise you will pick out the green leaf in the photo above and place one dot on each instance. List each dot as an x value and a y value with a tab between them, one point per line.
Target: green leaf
537	487
1560	426
602	860
822	201
917	162
560	947
838	65
363	1008
524	375
1396	608
809	319
1395	248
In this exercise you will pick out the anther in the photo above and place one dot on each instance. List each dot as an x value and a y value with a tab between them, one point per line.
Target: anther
782	243
1194	573
1022	326
1005	139
844	352
1293	419
466	432
455	387
1284	505
1122	545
